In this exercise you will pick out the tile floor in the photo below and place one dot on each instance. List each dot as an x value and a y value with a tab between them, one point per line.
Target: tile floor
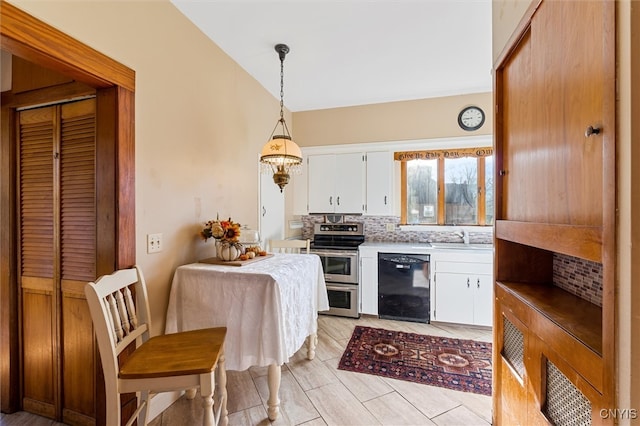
314	393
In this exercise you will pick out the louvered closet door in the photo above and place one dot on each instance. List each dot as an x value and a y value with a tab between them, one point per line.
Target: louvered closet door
57	257
37	260
77	257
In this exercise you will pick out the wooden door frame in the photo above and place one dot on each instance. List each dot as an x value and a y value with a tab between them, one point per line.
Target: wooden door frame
27	37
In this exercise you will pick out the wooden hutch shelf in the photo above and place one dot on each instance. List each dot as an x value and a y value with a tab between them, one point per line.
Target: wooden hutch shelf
584	242
576	316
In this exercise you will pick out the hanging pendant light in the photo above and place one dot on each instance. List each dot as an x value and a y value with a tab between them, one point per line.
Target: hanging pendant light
280	155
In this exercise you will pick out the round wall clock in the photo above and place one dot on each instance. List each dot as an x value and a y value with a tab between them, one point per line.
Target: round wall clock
471	118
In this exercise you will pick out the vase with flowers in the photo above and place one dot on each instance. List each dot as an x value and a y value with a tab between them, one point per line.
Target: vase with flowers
226	233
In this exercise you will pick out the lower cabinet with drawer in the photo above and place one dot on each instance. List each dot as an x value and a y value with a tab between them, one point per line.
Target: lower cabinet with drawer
463	288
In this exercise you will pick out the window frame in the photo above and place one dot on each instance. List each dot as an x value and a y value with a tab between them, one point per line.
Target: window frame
441	155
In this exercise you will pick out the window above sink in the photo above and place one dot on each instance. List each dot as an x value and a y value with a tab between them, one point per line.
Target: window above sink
447	186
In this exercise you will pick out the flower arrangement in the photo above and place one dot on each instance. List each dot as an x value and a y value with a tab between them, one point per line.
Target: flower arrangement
222	230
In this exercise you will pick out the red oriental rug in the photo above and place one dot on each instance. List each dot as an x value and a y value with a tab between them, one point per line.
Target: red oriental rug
458	364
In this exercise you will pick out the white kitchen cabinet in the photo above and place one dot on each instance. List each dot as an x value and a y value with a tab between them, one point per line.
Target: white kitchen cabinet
368	281
379	183
462	298
454	299
271	210
463	289
336	183
299	190
483	300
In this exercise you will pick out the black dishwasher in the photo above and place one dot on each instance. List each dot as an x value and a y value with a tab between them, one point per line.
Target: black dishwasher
403	287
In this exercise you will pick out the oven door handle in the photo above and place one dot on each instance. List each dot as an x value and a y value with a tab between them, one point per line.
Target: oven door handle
348	288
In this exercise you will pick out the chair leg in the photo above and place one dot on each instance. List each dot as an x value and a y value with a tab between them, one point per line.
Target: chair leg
113	408
206	391
221	389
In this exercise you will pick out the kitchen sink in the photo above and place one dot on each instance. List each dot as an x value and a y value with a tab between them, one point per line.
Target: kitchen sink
463	246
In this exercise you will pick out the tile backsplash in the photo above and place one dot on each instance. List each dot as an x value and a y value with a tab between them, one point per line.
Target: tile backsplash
580	277
375	229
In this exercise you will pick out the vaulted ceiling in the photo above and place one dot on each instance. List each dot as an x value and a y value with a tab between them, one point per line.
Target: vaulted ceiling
354	52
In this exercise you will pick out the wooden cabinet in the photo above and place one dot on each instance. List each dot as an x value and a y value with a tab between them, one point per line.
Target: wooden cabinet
555	210
336	183
463	288
379	183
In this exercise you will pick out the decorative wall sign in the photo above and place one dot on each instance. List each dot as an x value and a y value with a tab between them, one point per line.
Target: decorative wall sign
443	153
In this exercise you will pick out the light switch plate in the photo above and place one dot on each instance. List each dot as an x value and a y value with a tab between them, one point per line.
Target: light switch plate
391	227
154	243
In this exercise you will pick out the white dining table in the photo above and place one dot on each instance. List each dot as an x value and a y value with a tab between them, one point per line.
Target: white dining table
270	308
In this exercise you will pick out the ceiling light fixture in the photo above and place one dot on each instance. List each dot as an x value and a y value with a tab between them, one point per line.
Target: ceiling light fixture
281	155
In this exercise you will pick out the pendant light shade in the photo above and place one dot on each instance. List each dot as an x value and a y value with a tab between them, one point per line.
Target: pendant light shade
281	150
281	155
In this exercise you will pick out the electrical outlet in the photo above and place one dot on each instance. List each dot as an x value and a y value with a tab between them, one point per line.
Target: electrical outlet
391	227
154	243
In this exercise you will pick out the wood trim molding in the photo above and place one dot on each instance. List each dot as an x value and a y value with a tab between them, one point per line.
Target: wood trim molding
125	190
34	40
29	38
10	387
584	242
52	94
403	193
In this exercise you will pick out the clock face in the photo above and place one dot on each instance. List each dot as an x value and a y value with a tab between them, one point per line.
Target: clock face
471	118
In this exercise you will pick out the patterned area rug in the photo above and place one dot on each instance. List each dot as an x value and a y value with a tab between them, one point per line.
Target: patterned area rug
463	365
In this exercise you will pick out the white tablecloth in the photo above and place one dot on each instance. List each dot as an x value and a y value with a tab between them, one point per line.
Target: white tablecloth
269	307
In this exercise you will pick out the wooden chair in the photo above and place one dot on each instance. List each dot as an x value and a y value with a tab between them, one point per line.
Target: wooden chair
289	246
180	361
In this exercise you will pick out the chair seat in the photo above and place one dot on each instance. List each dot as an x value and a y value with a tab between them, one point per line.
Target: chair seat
179	354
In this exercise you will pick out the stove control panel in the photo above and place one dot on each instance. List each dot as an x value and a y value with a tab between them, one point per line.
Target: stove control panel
338	228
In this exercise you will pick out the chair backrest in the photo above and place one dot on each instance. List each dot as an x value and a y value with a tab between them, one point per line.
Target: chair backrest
116	319
289	246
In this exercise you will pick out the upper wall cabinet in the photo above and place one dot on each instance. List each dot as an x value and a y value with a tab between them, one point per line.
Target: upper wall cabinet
563	79
299	188
379	183
336	183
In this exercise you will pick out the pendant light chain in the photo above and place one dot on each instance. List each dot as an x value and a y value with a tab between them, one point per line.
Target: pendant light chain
281	88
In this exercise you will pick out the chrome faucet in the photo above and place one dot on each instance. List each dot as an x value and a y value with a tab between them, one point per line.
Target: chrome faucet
464	234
